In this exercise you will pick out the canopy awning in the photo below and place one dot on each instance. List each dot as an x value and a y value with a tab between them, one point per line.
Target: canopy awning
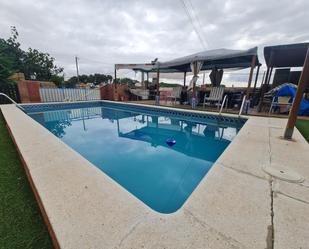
143	67
291	55
217	58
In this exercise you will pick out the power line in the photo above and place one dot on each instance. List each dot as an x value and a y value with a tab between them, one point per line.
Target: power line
191	18
197	19
96	61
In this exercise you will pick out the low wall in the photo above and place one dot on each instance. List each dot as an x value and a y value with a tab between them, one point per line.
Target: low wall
114	92
32	92
29	91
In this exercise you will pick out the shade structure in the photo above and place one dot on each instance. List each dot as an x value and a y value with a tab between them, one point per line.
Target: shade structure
217	58
146	67
290	55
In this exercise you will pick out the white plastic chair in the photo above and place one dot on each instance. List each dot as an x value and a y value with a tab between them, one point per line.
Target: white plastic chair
215	96
175	94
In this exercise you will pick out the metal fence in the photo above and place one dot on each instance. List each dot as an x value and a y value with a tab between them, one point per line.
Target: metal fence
68	94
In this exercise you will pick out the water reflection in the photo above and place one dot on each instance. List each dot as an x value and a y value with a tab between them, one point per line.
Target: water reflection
192	139
131	148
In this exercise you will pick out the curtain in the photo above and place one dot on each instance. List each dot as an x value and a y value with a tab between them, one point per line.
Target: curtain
199	65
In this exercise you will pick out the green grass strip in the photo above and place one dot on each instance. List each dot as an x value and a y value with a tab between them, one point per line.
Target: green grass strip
21	223
303	126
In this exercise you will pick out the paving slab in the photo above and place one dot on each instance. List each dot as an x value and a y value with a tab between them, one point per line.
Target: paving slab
230	208
293	155
240	211
291	223
249	160
293	190
177	231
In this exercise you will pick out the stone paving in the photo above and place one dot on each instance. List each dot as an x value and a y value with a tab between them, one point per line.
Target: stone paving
236	205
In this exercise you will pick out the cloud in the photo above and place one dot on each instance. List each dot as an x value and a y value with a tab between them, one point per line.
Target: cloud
102	33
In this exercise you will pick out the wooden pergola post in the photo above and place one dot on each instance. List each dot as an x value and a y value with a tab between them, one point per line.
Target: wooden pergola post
256	78
158	86
303	80
264	83
115	97
184	78
269	76
195	75
147	76
143	79
250	76
193	100
266	80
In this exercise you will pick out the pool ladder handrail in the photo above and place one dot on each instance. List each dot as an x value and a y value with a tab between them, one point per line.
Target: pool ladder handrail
222	105
242	105
12	100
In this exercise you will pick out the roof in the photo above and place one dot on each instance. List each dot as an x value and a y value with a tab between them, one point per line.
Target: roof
217	58
291	55
145	67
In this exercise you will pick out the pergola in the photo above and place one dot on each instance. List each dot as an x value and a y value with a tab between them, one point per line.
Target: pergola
202	61
282	56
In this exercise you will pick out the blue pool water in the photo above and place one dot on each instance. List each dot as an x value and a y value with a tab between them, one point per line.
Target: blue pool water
132	148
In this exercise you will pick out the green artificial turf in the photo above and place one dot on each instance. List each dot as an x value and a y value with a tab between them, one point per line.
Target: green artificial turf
21	223
303	126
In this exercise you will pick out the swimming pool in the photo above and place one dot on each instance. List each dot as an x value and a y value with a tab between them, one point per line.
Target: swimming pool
130	144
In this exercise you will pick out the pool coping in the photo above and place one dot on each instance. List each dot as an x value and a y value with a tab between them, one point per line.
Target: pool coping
214	216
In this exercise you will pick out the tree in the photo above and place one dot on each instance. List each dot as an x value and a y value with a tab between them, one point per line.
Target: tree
40	65
8	58
32	62
10	49
102	78
71	82
92	78
6	70
83	78
127	81
58	80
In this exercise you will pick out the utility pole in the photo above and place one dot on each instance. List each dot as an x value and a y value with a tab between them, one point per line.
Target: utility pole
77	74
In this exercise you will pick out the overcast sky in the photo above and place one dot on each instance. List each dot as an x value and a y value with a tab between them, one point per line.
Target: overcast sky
105	32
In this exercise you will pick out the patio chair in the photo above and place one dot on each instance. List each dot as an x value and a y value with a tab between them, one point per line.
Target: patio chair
175	94
215	96
142	93
281	101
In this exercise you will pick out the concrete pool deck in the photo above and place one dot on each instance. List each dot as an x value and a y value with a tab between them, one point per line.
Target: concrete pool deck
236	205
